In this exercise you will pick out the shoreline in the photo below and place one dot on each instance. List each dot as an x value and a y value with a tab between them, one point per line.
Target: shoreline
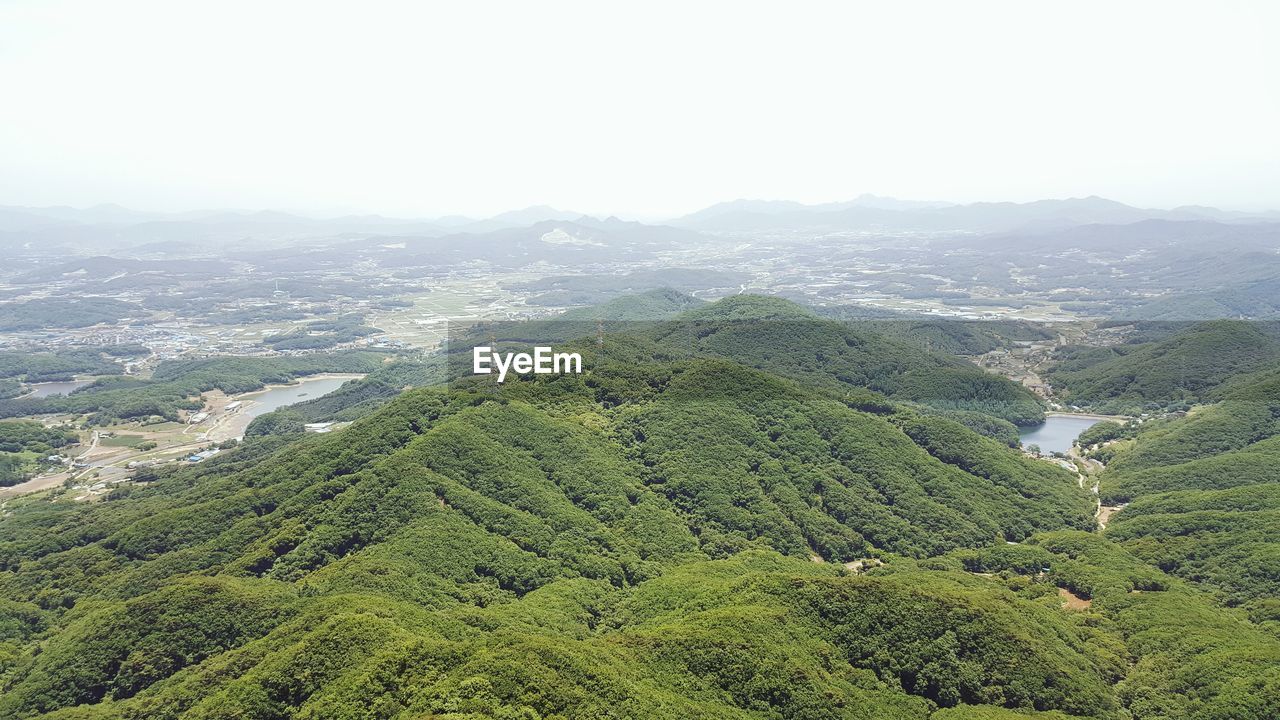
226	426
1089	416
300	380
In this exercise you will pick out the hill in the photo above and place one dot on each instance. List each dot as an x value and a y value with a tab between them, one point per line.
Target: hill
683	537
565	290
1183	368
1203	491
983	217
771	334
526	499
785	338
1200	492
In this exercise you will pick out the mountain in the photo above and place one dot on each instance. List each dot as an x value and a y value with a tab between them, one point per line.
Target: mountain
773	335
579	242
1202	491
102	268
519	218
659	304
12	218
1185	367
1150	235
786	338
726	210
446	507
687	536
1257	299
984	217
595	288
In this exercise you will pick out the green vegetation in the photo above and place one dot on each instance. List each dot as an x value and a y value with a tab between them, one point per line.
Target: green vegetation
784	338
961	337
1105	432
1172	372
1202	489
60	366
64	313
25	445
17	436
981	423
658	304
1203	492
698	526
176	385
774	335
322	334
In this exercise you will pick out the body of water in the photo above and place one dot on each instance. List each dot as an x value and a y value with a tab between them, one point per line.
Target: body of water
39	390
1057	433
275	398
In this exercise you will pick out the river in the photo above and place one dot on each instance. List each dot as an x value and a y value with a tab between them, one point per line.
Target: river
1057	432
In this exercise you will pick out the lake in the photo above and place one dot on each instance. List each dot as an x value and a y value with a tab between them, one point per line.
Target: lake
1058	432
262	402
45	389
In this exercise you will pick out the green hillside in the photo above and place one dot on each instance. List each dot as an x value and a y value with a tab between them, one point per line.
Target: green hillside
1201	491
1178	370
963	337
1204	491
672	534
657	304
539	508
770	334
784	338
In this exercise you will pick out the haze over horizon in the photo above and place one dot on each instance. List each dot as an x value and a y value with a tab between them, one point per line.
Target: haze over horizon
412	111
127	214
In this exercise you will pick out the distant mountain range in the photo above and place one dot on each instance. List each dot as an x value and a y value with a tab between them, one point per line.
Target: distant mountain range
872	213
115	226
866	213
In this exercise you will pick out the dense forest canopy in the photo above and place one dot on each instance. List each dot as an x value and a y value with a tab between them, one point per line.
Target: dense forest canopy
700	526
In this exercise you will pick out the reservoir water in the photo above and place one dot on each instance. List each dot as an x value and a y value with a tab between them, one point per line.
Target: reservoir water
45	389
274	398
1057	432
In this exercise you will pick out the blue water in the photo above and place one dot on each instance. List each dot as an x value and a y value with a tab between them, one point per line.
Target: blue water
46	389
278	397
1057	433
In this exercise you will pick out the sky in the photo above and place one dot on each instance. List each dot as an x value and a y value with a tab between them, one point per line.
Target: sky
645	109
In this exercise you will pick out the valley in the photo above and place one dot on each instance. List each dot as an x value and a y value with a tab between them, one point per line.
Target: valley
811	474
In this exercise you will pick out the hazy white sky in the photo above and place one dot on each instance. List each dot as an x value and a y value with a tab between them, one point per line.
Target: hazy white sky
653	108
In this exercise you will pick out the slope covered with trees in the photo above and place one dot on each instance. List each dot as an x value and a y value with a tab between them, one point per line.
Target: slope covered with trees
787	339
1178	370
1199	491
176	385
687	535
1204	492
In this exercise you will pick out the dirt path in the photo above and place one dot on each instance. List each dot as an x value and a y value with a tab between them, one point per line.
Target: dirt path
35	484
1072	601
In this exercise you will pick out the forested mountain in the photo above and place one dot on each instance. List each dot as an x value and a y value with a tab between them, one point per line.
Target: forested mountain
987	217
788	339
1203	493
961	337
1184	367
177	384
715	530
1198	489
772	334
